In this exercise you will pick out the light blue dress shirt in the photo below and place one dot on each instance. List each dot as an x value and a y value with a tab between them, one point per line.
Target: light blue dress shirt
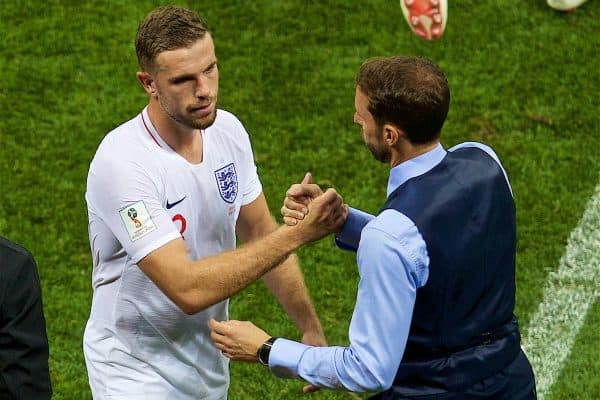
393	263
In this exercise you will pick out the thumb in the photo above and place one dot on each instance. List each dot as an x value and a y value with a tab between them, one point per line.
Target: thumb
307	178
216	326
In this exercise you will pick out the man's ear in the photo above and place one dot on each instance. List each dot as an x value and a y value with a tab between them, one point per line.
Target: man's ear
147	82
392	134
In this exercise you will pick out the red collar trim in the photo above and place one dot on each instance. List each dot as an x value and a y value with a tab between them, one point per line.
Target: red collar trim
148	130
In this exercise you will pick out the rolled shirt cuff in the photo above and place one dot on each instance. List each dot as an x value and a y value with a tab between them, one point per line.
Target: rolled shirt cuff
349	237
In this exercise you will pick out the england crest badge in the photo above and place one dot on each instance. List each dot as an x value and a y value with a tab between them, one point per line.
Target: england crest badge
227	183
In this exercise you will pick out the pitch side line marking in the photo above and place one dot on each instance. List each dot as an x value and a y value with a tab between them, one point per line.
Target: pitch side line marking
568	295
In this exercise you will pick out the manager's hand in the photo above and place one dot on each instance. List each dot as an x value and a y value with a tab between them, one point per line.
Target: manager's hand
240	341
297	198
237	340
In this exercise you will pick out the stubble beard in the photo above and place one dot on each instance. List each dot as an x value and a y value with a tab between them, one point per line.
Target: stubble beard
203	123
378	150
381	155
192	123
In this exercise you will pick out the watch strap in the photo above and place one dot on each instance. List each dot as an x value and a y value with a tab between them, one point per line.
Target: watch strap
265	350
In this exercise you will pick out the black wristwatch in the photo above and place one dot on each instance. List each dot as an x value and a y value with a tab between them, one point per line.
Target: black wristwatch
264	351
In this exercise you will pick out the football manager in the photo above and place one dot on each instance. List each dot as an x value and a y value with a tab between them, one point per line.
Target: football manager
434	309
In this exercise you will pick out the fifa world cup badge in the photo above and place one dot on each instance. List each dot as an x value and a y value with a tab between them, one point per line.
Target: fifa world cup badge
137	220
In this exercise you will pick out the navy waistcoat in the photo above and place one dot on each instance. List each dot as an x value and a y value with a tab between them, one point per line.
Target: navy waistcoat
463	329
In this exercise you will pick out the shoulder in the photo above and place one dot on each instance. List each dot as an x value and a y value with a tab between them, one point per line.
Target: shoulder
13	249
487	150
230	133
123	149
476	146
122	141
229	124
227	119
13	256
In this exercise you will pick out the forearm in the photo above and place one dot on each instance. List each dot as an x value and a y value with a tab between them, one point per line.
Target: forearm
379	328
286	283
332	367
195	286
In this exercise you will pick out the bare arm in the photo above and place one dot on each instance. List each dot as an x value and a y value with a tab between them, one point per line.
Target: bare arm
196	285
285	282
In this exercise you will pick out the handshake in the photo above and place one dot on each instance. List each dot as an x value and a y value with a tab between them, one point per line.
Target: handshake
312	212
309	215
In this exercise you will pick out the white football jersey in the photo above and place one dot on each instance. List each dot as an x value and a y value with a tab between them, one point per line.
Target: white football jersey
140	195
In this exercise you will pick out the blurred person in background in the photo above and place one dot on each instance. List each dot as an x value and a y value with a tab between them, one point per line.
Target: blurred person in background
426	18
565	5
24	370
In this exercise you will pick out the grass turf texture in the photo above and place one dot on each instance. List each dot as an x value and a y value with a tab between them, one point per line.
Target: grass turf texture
524	80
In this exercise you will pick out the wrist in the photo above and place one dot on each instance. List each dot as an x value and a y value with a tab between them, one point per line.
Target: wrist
263	353
294	236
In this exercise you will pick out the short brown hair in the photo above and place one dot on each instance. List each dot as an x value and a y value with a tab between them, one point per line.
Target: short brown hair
411	93
167	28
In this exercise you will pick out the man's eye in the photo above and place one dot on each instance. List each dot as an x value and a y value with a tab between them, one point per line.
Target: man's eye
179	81
211	68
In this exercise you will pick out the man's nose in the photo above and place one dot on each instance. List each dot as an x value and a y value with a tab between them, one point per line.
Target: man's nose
202	89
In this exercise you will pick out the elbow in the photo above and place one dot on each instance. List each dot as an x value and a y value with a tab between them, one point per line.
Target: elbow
374	377
385	383
386	376
189	304
195	301
190	299
189	309
380	377
378	383
368	383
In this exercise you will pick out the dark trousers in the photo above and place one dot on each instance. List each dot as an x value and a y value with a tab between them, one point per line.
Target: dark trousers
515	382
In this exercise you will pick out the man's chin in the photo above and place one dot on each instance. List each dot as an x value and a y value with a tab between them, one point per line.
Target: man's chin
203	123
380	155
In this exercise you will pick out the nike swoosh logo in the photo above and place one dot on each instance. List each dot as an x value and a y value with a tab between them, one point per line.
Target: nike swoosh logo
171	205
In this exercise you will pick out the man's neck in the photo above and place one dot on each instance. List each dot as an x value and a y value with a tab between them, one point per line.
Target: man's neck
409	151
185	141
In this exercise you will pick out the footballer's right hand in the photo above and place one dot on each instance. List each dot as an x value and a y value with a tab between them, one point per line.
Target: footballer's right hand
297	199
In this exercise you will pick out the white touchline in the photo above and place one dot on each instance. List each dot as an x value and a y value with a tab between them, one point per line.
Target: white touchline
568	295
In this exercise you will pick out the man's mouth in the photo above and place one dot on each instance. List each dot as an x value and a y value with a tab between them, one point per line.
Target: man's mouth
201	109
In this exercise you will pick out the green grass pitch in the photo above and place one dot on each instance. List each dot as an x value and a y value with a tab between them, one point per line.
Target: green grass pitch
524	79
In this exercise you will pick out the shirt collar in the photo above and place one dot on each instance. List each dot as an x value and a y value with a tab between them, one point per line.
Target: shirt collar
414	167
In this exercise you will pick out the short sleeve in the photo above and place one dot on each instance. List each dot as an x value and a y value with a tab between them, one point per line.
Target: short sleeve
124	195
